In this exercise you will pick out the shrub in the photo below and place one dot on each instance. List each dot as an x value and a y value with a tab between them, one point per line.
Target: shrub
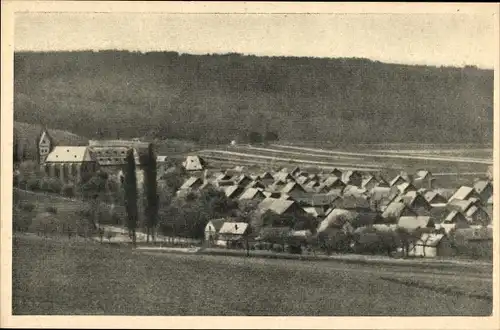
51	209
68	190
27	206
33	183
53	185
277	248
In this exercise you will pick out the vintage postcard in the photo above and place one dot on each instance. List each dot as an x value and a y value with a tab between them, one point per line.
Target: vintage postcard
288	165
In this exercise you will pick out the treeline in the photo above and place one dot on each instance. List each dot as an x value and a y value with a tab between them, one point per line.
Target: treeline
218	98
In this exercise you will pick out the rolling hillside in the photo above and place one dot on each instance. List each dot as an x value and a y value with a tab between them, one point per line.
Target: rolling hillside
217	98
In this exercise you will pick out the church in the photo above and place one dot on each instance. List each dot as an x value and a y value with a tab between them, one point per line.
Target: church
78	163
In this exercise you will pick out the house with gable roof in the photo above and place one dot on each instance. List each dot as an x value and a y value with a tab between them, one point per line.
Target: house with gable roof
484	189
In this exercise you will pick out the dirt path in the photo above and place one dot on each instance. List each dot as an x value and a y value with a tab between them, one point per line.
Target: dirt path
389	155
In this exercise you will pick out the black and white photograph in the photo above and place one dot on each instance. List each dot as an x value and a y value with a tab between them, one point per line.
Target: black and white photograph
253	162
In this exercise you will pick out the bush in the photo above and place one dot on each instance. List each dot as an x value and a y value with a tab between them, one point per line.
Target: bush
277	248
52	185
68	190
51	209
32	183
26	206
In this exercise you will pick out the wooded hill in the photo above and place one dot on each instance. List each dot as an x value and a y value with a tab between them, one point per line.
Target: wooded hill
217	98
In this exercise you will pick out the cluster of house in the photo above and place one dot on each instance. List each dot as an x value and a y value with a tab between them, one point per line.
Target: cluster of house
349	200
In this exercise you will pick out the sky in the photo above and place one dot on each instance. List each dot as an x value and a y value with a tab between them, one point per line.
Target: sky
430	39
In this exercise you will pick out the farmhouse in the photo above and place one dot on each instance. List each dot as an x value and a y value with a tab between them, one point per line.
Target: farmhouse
314	176
302	180
295	172
294	190
283	177
243	180
315	211
233	191
433	197
352	178
212	229
403	188
232	233
256	184
484	189
281	207
464	193
266	178
456	218
223	177
396	210
192	183
460	205
252	194
351	202
398	179
380	196
416	202
336	172
415	222
333	183
369	183
477	215
423	178
193	163
431	246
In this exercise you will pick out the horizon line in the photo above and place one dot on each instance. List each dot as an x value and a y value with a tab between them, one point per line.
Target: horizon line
229	53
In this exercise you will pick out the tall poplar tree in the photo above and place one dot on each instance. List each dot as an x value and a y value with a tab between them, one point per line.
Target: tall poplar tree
130	187
150	189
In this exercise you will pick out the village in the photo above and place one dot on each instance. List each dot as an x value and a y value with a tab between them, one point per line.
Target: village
304	211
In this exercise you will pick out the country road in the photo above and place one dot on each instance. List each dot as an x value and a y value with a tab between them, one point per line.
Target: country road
389	155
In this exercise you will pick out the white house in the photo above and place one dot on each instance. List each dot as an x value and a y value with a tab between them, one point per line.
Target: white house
431	246
193	163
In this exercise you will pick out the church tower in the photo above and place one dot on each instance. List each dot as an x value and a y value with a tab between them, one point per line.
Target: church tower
45	145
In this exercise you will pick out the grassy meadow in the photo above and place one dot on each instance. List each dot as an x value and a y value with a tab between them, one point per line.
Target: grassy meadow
67	277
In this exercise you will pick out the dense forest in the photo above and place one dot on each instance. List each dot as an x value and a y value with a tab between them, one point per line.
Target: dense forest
217	98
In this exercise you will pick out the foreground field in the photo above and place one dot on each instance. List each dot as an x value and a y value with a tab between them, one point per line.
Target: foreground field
62	277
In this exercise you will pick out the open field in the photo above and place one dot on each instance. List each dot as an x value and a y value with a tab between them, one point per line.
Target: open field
452	167
62	277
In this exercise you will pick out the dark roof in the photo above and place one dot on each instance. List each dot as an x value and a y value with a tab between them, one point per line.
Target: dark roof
352	202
